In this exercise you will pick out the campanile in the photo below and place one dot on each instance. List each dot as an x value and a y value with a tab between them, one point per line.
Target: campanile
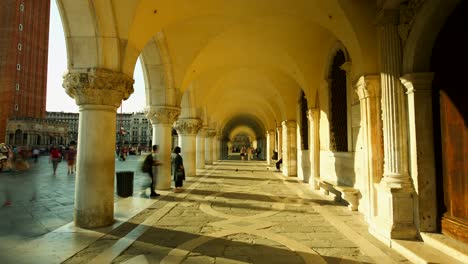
24	37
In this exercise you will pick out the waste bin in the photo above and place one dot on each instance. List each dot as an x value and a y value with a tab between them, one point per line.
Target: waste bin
124	183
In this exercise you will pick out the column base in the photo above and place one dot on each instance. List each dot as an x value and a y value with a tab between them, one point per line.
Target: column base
395	214
94	218
163	183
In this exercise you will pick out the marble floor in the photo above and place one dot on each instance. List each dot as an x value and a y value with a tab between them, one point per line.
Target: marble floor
231	212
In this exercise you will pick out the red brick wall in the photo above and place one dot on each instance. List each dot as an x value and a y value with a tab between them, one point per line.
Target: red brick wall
32	77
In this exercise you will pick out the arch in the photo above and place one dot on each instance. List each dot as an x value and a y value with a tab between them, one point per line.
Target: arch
338	103
426	26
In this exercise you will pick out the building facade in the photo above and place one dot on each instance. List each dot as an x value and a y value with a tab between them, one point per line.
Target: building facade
132	129
24	36
36	132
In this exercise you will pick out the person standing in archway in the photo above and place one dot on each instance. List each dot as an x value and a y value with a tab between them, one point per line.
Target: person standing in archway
178	170
154	170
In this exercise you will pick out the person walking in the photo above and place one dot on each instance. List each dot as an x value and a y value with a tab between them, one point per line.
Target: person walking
70	156
153	172
178	170
35	154
55	157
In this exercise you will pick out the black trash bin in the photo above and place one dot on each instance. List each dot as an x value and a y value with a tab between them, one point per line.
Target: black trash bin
124	183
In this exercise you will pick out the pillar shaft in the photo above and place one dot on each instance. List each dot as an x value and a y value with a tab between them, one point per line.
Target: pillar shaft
368	90
95	168
279	143
393	103
162	118
209	144
98	92
187	130
201	148
270	146
314	120
289	148
419	90
395	192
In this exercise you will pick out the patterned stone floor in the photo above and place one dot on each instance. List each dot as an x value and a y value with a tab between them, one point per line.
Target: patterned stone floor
240	212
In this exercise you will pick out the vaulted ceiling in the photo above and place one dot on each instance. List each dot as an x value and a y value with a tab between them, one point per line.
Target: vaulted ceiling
240	59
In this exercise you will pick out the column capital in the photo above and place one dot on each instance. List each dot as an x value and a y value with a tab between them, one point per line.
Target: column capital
368	86
346	67
162	114
211	132
203	131
188	126
288	123
311	112
98	86
417	81
388	17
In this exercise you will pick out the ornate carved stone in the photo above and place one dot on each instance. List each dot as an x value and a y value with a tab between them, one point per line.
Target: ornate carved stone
98	87
408	11
368	86
211	133
188	126
162	114
202	131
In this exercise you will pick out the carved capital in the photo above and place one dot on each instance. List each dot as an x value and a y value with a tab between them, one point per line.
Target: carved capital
202	131
188	126
312	113
368	86
289	124
98	87
388	17
162	114
211	133
417	82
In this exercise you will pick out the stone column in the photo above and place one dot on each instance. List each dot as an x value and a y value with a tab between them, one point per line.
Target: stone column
368	90
279	130
209	146
215	148
289	148
98	92
162	118
270	145
314	145
395	196
187	130
201	148
421	135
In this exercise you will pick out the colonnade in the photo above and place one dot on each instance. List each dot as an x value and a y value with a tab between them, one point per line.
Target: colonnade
99	92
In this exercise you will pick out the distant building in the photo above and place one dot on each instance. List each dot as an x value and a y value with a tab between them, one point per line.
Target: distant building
141	130
71	119
131	129
24	36
33	132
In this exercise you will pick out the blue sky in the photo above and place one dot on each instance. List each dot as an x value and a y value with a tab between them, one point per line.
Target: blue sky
57	99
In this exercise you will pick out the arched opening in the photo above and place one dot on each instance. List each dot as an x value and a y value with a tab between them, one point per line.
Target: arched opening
338	105
18	137
448	63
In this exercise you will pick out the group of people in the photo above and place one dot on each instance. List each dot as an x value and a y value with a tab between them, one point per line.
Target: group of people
177	169
13	158
69	154
249	153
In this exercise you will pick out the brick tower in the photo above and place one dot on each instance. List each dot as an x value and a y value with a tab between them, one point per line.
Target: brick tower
24	39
